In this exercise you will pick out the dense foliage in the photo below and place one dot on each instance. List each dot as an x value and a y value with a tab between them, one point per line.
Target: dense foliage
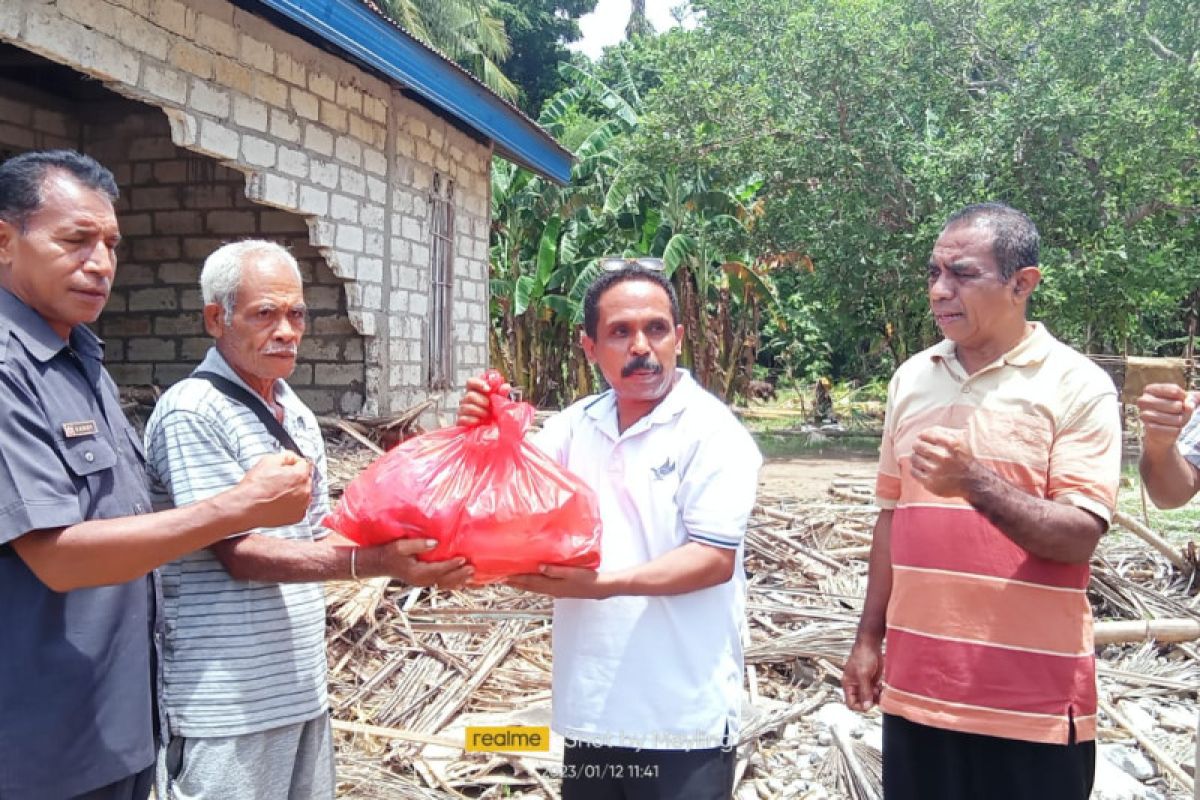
794	161
539	31
869	121
513	46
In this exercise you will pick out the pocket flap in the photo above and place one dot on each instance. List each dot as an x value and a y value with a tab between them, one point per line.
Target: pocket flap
87	455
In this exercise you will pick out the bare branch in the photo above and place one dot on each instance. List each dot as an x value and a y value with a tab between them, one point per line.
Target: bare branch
1146	210
1161	50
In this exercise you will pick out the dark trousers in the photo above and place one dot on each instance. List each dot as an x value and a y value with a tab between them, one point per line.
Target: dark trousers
924	763
595	772
134	787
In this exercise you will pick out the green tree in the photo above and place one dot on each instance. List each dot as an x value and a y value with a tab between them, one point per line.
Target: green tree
540	31
639	23
470	32
870	120
547	241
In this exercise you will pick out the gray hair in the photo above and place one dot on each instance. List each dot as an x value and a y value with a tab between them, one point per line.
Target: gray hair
222	273
1015	243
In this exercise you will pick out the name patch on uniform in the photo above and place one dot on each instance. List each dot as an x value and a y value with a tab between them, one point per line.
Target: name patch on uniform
74	429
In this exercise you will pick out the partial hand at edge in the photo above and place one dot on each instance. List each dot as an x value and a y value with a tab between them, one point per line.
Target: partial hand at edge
476	406
862	676
1165	410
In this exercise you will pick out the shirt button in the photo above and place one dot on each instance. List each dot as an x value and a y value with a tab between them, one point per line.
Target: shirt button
88	457
966	390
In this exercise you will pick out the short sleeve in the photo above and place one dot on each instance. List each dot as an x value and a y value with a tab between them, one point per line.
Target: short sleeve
1189	440
554	439
717	489
887	477
190	458
1085	458
36	490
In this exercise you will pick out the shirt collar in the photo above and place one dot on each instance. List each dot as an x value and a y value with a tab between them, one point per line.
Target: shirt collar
215	362
39	338
1032	349
604	409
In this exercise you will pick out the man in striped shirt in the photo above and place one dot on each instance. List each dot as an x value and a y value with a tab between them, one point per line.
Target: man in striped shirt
998	475
244	670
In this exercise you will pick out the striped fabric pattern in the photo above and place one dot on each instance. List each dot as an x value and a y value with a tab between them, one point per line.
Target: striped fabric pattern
1189	440
239	657
982	636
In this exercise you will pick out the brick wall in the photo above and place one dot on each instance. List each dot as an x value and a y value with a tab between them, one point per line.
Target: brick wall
32	120
175	209
309	134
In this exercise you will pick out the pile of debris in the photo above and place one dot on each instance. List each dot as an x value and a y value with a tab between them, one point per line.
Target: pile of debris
412	668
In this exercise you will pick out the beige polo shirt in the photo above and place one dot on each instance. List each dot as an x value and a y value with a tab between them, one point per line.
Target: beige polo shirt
983	636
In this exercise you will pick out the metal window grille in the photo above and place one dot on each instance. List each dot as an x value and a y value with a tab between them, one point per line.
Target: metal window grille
440	355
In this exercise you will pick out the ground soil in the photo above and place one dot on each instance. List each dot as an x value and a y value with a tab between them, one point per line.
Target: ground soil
808	477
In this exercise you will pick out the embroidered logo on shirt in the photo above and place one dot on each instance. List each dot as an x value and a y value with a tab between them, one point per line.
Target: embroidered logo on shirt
664	470
73	430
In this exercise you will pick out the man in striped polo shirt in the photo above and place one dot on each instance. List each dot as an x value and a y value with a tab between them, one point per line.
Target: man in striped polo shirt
998	475
244	660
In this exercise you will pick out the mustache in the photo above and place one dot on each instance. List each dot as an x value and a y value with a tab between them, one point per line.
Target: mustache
640	363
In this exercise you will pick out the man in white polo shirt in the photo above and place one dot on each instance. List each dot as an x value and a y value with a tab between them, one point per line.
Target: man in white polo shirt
244	682
648	648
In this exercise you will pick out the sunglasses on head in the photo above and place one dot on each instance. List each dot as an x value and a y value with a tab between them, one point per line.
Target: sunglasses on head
618	264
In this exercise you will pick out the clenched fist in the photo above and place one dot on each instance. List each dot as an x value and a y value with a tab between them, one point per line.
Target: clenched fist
476	407
277	490
942	461
1165	410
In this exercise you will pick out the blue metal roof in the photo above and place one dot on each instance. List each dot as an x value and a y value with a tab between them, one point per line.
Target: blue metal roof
366	35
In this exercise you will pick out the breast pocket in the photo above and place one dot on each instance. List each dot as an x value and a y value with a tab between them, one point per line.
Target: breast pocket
90	461
87	455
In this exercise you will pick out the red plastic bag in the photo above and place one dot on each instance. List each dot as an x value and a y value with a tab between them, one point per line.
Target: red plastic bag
482	492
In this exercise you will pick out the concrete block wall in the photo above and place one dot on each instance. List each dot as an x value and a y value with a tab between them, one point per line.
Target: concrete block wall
311	134
426	144
32	120
175	209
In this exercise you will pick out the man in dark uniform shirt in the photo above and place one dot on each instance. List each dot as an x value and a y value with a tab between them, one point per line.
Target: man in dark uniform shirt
77	542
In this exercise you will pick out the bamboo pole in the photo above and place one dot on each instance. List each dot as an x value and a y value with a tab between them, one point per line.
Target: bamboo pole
1148	744
1138	679
362	728
1153	539
768	413
348	429
1161	630
856	768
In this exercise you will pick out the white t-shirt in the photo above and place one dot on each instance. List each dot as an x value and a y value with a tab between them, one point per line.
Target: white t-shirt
655	672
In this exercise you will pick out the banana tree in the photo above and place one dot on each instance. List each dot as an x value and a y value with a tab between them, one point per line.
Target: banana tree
722	290
545	241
